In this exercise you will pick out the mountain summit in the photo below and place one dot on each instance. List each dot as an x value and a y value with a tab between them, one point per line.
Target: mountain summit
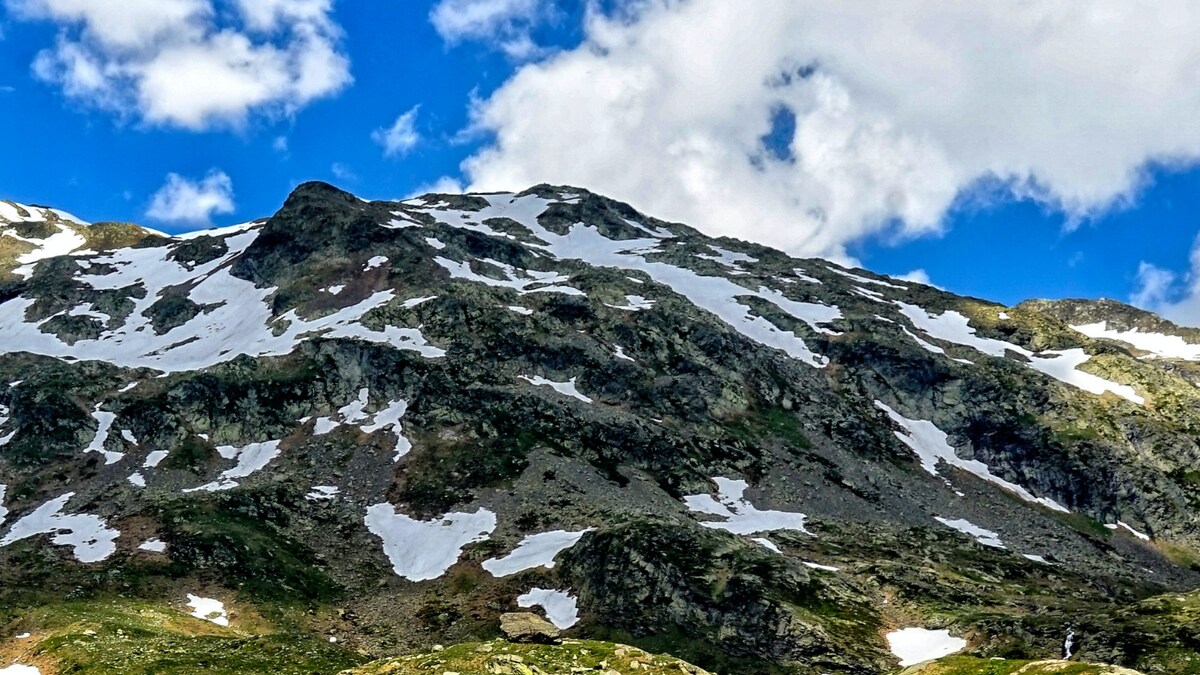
356	430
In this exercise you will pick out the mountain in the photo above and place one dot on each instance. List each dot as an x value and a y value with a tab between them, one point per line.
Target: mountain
355	430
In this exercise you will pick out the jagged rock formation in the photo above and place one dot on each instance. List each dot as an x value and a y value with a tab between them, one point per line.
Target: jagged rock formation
389	423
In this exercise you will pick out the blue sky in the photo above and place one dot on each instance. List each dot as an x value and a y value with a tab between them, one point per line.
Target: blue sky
834	130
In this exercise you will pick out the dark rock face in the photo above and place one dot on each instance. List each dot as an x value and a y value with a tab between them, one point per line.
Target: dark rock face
385	418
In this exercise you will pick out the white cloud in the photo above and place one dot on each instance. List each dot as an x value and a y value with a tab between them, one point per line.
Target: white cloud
401	137
180	200
441	186
1173	296
900	108
343	172
503	23
280	144
191	63
919	276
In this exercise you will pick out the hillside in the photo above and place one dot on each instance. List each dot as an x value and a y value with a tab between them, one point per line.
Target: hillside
355	430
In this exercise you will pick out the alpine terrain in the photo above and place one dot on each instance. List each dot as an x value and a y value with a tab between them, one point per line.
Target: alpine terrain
351	437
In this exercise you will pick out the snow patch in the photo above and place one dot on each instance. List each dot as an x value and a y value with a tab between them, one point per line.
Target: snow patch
153	546
88	535
562	609
104	421
918	645
981	535
931	446
322	493
207	609
634	303
1120	524
741	517
565	388
536	550
1061	365
250	459
1159	345
420	550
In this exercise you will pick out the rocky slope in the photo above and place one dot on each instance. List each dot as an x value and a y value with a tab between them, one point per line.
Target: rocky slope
357	429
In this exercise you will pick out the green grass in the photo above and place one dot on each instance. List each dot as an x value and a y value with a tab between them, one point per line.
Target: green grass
138	638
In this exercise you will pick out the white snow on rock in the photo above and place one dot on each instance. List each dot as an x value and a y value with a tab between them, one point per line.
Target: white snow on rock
565	388
715	294
523	311
322	493
435	243
866	280
727	258
536	550
931	446
1036	558
153	545
250	459
918	645
618	351
377	261
562	609
239	321
389	418
420	550
766	543
155	458
129	437
3	510
88	535
208	609
104	421
5	438
18	669
520	280
1120	524
137	479
634	303
1159	345
1061	365
981	535
740	516
817	566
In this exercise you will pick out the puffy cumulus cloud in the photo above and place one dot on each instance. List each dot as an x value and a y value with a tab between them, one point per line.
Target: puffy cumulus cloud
191	63
398	139
185	201
808	124
1169	294
504	24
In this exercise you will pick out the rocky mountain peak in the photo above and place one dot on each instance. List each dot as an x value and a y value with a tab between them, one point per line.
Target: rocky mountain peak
454	407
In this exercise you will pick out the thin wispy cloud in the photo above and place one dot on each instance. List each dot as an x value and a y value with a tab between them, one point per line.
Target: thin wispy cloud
401	137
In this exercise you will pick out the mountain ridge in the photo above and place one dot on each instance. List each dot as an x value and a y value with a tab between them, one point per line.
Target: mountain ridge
355	411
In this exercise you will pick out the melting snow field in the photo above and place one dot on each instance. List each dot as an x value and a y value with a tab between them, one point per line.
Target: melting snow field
562	609
153	546
1061	365
715	294
740	515
917	645
91	540
239	321
208	610
1158	345
931	446
3	511
104	421
420	550
536	550
251	458
18	669
981	535
565	388
1119	524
